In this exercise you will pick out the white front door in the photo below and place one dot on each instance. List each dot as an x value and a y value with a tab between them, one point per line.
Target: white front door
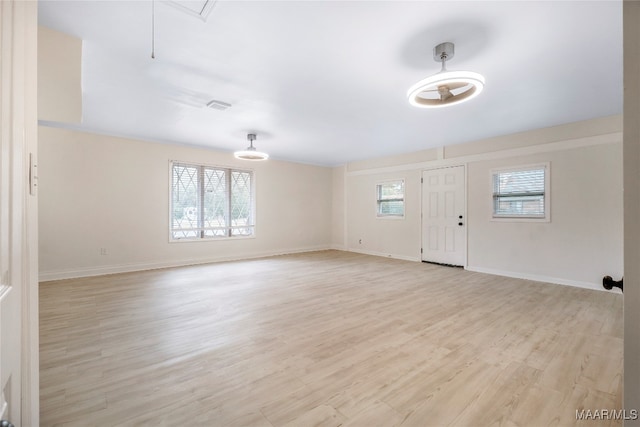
443	216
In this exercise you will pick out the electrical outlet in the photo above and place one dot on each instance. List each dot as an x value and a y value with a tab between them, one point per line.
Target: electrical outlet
103	251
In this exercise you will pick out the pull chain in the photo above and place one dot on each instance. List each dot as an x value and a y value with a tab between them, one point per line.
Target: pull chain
153	29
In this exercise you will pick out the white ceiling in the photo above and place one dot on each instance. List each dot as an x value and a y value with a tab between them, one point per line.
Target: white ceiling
325	82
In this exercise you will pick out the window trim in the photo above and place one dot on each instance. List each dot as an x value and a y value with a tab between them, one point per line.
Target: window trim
208	238
404	199
547	193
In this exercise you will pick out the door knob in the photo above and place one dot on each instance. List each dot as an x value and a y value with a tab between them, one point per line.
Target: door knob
5	423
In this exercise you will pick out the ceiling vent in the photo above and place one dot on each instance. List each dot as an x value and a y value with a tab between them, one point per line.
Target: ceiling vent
197	8
218	105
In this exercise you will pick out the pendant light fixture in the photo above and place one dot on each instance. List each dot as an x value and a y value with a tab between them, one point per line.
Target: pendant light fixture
250	153
446	87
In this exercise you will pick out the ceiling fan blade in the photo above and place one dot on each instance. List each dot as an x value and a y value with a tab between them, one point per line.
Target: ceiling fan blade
430	94
453	86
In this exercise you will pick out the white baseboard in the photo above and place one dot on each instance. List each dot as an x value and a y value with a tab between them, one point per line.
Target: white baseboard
383	254
538	278
46	276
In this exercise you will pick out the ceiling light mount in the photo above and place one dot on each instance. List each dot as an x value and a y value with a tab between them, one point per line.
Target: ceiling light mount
250	153
444	52
446	87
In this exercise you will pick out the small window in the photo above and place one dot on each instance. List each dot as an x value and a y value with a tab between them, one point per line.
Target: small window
521	193
390	199
210	202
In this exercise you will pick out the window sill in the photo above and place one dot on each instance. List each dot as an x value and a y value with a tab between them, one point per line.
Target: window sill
392	217
517	219
211	239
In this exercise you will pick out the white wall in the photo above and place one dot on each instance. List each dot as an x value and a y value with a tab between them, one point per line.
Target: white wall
59	76
397	238
105	192
632	208
582	242
338	208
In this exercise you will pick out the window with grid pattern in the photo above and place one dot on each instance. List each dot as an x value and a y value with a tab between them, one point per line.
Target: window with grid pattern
390	199
210	202
520	193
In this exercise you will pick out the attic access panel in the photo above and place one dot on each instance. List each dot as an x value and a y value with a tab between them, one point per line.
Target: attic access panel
198	8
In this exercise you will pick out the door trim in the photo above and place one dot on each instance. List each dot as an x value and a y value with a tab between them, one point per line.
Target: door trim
19	57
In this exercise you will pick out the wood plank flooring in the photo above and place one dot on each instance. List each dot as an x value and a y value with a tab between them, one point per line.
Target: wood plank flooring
325	339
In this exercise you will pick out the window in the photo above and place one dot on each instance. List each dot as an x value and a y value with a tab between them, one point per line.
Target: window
210	202
521	193
390	199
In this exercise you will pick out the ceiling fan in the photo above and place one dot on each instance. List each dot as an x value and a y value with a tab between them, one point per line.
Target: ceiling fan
446	87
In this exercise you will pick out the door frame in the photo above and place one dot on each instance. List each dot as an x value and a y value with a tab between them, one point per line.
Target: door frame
466	216
19	60
30	282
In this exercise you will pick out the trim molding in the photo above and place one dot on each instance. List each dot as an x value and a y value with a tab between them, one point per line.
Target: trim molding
384	255
538	278
568	144
46	276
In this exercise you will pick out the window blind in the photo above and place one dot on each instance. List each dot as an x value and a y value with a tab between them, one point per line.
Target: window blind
390	198
519	193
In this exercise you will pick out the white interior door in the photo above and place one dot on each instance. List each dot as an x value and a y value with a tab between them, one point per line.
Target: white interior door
10	334
10	291
444	235
18	118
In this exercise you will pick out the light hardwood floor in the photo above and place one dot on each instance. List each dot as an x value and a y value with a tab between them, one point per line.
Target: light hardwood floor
325	339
